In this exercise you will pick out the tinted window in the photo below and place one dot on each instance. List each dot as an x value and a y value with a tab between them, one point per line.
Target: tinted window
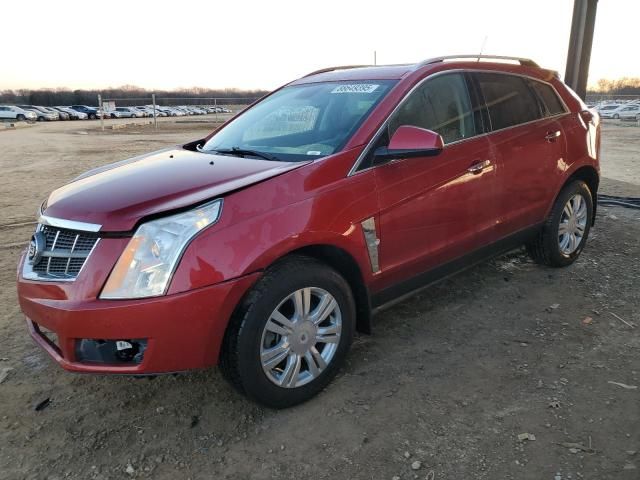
549	98
509	100
442	105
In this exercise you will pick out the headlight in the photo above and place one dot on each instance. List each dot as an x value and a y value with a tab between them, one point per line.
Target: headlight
146	265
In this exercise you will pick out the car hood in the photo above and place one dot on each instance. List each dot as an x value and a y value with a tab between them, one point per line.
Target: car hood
119	195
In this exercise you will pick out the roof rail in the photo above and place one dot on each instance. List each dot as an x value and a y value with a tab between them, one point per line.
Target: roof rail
523	61
331	69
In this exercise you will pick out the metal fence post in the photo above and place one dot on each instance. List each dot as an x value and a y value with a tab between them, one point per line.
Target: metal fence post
155	116
101	112
215	108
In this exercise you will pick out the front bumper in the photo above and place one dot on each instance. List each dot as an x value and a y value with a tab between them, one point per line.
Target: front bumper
182	331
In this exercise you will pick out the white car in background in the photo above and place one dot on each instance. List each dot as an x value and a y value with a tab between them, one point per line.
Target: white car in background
610	111
126	112
41	113
11	112
629	112
142	110
149	110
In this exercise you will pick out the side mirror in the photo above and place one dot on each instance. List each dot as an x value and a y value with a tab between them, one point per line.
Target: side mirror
410	142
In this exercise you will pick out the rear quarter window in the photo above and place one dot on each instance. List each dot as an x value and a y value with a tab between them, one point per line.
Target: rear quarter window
509	100
552	105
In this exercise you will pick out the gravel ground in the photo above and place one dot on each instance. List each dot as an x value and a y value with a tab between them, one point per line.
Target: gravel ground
446	387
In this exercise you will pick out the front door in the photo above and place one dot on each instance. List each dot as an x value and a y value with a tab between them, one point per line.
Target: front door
436	209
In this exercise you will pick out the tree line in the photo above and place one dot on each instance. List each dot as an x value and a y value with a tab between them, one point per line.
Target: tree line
62	96
621	86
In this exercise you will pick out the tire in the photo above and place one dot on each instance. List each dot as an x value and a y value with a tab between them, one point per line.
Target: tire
549	248
41	119
93	116
616	116
248	337
20	117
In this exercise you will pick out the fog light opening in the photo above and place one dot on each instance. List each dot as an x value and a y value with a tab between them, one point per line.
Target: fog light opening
115	352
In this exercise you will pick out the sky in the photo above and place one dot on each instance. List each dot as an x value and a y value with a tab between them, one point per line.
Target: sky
264	44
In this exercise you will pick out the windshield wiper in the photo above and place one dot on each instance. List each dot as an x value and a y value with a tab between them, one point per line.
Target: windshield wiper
241	152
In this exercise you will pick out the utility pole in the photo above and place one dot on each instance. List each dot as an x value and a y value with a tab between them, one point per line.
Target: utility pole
579	54
155	115
101	112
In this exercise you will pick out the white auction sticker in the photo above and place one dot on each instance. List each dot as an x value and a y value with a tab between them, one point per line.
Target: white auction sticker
122	345
355	88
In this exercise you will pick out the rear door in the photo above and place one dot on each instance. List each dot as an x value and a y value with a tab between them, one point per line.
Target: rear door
529	147
435	209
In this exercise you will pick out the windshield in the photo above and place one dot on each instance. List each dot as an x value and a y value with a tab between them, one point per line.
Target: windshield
302	122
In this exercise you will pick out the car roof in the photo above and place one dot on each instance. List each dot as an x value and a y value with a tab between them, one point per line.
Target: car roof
397	72
382	72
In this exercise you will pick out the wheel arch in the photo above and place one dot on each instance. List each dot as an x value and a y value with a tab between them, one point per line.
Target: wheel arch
589	175
347	266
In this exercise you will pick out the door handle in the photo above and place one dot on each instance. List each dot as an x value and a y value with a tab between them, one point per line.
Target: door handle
476	168
551	136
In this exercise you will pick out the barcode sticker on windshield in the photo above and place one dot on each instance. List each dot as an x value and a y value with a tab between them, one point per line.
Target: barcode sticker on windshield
355	88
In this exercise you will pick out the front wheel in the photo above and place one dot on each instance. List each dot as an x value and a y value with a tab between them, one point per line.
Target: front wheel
20	117
616	116
291	334
565	231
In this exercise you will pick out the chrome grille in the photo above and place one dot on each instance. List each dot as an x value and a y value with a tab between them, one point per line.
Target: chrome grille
65	252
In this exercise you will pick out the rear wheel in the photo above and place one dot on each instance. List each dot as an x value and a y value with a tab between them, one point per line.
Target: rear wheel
565	231
291	334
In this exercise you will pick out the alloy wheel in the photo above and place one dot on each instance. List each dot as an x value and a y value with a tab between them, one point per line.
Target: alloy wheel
573	223
301	337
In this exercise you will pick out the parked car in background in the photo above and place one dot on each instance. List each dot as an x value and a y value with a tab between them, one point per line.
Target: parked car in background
62	115
41	113
175	112
158	112
142	110
73	114
166	110
115	114
629	112
12	112
264	246
91	112
610	110
129	112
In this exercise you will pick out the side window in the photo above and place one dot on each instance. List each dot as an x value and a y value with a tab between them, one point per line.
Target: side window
442	105
4	109
549	98
509	100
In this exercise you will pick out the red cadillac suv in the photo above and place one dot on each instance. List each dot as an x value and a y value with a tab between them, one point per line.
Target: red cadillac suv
265	246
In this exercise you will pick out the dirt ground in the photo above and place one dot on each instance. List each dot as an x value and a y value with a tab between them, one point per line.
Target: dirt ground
441	390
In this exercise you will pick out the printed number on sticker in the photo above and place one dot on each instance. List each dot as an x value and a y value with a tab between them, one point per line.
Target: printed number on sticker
355	88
